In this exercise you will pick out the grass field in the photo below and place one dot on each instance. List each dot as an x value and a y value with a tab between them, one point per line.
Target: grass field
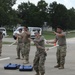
48	35
9	33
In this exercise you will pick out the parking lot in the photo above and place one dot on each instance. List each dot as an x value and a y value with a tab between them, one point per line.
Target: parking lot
10	51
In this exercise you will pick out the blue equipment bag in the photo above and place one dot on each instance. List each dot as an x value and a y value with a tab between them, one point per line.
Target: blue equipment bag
11	66
25	68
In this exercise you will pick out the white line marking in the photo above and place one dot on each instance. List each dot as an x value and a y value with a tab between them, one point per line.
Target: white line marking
4	58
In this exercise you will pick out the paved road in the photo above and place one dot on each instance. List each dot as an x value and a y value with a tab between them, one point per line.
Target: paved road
8	40
50	61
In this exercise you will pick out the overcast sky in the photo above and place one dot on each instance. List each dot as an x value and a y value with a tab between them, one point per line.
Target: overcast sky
67	3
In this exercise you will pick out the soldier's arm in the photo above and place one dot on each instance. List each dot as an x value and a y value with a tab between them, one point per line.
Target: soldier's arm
52	41
27	32
41	39
37	45
60	35
41	47
20	35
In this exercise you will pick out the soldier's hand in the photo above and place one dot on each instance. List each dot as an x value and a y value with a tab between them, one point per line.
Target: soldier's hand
39	46
19	36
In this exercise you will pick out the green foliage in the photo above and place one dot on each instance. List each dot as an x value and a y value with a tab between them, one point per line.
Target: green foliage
5	11
71	23
59	15
35	15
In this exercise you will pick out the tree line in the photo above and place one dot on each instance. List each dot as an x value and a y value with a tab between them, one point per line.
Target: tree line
29	14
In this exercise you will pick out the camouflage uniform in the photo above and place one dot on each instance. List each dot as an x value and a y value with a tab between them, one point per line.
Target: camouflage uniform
26	50
1	36
40	56
26	46
19	47
61	53
61	49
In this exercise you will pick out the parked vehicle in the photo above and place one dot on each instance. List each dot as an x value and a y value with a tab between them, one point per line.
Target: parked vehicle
31	29
3	30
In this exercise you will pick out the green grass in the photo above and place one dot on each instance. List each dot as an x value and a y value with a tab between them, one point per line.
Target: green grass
6	42
9	33
50	35
47	34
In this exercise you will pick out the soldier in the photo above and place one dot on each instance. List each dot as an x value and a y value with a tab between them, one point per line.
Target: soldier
1	36
26	44
19	45
40	55
61	49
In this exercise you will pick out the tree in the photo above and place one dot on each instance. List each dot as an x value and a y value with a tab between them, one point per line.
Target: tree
59	15
27	12
51	11
5	9
43	12
71	22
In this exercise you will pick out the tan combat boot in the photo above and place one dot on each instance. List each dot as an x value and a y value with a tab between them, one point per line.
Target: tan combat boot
26	62
57	66
42	73
61	67
37	73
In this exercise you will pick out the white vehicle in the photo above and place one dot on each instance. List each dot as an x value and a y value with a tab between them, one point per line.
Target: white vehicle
3	30
17	31
31	29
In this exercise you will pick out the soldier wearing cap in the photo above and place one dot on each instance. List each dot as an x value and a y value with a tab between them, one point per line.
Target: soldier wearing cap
40	55
61	49
19	45
25	44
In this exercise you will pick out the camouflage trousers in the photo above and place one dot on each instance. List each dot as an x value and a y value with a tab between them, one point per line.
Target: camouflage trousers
26	50
39	62
19	50
0	48
61	54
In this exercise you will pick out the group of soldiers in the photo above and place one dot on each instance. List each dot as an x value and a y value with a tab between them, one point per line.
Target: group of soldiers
23	46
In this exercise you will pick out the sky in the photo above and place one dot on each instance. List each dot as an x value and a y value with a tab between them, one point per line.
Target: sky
68	3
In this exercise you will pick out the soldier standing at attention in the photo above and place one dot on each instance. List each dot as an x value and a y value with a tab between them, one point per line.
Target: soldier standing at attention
40	55
26	44
19	45
61	49
1	36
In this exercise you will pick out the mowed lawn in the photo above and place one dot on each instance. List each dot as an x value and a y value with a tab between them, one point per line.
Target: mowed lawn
50	35
47	34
